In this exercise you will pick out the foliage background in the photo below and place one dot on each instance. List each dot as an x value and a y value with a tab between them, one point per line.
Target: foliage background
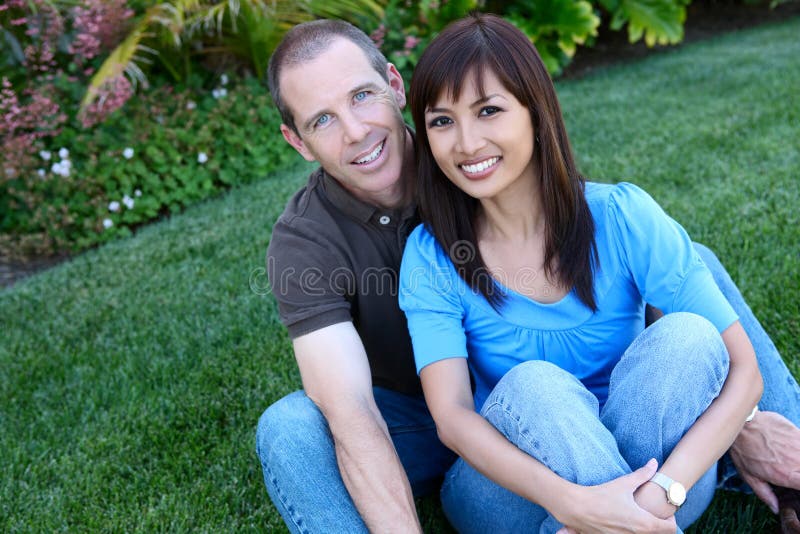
157	104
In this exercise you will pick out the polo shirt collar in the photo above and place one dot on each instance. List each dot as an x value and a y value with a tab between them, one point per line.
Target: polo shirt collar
345	201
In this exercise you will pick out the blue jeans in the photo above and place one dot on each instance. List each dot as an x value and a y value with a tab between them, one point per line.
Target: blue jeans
591	446
302	477
298	459
657	391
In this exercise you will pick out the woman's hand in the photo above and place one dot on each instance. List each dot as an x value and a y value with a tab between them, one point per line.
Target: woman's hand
611	508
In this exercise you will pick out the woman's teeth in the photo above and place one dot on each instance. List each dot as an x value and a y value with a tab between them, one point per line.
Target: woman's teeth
482	166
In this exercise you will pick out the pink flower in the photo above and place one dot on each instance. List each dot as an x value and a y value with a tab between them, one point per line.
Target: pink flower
411	42
111	96
378	35
99	25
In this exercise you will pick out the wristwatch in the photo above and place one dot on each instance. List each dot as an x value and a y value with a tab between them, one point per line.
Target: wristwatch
676	493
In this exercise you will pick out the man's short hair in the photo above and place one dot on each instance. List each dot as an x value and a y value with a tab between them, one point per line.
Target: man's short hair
304	43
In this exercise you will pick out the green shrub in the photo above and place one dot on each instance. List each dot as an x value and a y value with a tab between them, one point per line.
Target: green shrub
168	149
556	27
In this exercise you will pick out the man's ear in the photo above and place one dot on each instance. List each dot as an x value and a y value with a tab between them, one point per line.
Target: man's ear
396	83
293	139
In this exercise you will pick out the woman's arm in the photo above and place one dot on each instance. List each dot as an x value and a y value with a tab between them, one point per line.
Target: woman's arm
609	507
714	431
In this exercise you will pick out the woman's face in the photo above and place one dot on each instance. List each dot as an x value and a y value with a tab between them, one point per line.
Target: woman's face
482	144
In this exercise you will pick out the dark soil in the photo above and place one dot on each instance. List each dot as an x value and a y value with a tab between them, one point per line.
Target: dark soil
705	19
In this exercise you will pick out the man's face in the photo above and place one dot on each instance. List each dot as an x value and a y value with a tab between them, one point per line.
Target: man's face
348	119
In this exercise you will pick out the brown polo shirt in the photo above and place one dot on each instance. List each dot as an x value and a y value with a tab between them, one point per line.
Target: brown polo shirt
333	258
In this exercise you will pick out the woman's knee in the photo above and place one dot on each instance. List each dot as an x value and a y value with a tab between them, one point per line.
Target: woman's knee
538	398
685	341
537	383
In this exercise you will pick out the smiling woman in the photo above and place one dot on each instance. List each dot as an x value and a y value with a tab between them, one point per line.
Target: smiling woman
535	361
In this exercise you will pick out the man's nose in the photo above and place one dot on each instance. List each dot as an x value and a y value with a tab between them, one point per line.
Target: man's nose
354	128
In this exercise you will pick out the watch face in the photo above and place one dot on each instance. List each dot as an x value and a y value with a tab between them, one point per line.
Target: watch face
676	493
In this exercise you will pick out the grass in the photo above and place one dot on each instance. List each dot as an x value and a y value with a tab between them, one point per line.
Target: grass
132	377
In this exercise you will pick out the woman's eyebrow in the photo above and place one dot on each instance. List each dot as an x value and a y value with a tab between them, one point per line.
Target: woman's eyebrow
481	100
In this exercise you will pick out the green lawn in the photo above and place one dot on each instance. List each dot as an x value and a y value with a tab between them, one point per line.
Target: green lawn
132	377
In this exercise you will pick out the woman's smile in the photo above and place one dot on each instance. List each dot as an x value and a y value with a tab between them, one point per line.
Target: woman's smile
480	169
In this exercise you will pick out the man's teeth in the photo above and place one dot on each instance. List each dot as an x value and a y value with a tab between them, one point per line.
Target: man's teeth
482	166
372	155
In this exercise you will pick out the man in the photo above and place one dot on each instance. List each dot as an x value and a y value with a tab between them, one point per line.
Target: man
350	451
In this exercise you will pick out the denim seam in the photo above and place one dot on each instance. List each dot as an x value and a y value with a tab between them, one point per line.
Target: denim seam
524	434
286	505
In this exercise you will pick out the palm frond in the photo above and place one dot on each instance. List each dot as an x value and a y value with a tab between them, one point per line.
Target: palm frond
121	60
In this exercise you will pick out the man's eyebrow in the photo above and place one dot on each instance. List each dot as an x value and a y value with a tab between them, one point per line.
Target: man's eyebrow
363	86
481	100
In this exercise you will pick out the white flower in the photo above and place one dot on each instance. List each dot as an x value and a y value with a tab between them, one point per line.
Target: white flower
60	169
127	153
108	223
219	93
45	155
63	153
113	206
40	172
191	104
128	201
202	157
137	193
223	79
65	163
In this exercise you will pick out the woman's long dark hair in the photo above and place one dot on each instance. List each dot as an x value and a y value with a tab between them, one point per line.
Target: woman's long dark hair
470	47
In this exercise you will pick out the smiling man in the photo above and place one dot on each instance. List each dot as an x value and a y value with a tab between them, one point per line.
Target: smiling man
349	452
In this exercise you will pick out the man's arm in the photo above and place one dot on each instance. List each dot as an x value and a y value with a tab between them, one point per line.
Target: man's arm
767	451
336	377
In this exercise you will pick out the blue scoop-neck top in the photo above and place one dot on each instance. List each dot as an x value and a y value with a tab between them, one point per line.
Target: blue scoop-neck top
644	256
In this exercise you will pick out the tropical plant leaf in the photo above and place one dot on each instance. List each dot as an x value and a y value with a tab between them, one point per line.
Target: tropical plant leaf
351	10
249	30
659	21
556	27
121	60
14	47
439	14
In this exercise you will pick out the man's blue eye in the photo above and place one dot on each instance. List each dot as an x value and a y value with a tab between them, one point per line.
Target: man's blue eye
323	119
361	95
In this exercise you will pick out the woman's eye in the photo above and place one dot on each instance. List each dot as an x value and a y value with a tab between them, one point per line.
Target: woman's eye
489	110
439	122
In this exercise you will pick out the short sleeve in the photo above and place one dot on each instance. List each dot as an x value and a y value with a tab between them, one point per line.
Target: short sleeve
308	279
661	259
430	297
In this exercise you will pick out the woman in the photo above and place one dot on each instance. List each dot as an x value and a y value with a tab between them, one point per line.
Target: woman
524	292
